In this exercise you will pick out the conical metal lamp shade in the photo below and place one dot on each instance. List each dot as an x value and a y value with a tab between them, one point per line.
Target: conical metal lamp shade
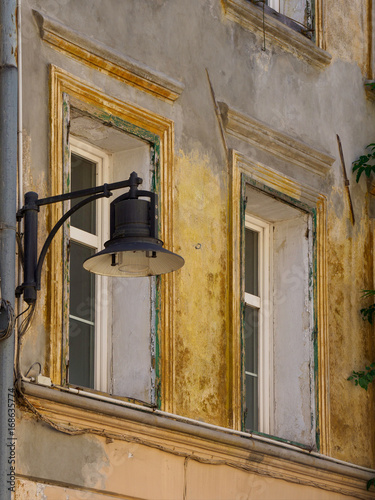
133	259
134	249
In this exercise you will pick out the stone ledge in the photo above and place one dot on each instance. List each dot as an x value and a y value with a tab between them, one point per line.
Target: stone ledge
250	17
107	60
174	434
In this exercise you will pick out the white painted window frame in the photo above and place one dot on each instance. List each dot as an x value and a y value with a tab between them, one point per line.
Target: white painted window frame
102	320
274	4
263	303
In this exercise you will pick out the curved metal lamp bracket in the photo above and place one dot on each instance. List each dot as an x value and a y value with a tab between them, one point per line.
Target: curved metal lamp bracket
33	264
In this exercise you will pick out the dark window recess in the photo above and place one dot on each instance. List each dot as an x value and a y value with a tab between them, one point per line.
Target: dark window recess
307	31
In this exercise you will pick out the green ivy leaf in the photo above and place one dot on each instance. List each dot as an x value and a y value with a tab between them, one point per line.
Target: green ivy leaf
363	164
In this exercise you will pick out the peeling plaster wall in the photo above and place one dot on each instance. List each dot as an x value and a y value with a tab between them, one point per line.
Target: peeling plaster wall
201	370
350	272
183	39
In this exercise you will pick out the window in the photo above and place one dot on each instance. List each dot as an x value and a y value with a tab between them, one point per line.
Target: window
134	317
278	319
297	14
299	11
111	330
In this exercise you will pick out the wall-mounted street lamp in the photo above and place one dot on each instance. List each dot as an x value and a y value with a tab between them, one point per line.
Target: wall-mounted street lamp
133	250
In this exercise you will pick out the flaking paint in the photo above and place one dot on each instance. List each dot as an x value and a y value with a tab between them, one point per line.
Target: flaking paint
201	315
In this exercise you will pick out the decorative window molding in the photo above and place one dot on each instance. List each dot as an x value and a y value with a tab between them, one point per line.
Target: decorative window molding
195	440
120	115
250	17
276	143
107	60
293	191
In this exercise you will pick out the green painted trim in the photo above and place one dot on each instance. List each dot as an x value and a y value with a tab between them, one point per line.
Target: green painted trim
128	127
314	284
277	194
282	440
157	359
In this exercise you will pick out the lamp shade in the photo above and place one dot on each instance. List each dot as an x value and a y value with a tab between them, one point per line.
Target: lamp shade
133	259
134	249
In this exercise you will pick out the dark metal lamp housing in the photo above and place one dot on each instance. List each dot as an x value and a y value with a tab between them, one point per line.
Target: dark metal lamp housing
134	249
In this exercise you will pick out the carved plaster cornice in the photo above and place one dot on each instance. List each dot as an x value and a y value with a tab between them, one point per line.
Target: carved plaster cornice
250	17
175	435
276	143
107	60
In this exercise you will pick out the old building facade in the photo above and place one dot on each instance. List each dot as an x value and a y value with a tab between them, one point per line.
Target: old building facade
226	379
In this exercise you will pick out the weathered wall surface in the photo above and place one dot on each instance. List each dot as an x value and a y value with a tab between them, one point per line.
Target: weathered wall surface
348	33
183	39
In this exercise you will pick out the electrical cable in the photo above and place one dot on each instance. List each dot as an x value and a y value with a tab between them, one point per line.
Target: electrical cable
31	367
19	237
5	305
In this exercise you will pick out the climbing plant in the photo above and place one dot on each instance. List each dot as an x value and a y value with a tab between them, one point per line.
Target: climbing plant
364	377
365	164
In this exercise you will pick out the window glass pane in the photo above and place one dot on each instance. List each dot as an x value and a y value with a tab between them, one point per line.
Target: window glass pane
251	262
82	318
81	353
82	283
83	173
251	421
251	339
251	366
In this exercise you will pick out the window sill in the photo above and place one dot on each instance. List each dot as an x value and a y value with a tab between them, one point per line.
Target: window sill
250	17
196	440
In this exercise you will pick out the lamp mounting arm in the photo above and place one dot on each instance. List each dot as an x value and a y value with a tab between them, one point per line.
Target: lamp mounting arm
33	265
57	226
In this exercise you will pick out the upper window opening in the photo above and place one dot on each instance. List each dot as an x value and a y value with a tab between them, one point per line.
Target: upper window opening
111	333
278	318
297	14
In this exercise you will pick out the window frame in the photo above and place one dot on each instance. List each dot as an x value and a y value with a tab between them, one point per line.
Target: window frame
102	325
263	304
267	389
65	90
274	4
244	172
